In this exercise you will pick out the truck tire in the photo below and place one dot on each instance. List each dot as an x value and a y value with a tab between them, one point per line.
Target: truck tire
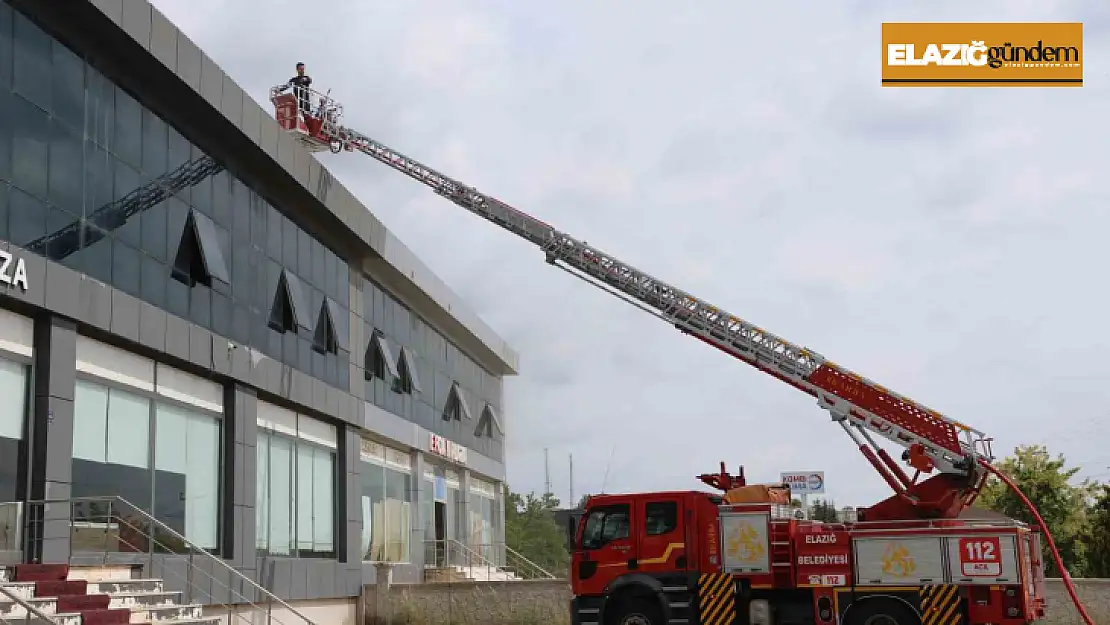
635	611
881	611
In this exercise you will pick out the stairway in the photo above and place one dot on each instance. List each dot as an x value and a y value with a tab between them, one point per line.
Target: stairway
71	596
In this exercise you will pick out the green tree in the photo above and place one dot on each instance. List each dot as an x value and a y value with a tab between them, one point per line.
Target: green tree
531	530
1047	482
823	510
1098	534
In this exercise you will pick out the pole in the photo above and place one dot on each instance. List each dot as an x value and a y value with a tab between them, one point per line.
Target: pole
546	474
571	502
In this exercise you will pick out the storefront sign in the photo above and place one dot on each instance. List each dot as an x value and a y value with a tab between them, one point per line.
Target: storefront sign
13	271
440	446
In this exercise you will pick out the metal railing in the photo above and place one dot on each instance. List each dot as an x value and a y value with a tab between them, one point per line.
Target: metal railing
478	562
113	526
533	571
31	614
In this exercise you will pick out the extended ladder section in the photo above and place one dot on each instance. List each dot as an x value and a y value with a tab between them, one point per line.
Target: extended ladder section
861	406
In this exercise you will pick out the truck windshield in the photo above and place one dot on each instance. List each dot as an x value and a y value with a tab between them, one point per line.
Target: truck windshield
604	525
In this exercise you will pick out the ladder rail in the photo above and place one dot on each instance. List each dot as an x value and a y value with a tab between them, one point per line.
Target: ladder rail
951	445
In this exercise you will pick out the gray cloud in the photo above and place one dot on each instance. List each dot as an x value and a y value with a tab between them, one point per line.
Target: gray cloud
947	243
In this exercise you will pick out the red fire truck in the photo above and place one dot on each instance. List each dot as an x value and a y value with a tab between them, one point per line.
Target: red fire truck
740	558
695	557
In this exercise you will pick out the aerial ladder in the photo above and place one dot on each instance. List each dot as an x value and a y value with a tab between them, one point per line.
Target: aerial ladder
958	456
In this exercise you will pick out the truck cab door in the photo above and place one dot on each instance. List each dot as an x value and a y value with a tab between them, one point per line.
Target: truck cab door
661	535
607	548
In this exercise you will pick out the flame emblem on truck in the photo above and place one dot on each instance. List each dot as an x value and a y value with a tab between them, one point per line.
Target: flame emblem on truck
897	561
744	543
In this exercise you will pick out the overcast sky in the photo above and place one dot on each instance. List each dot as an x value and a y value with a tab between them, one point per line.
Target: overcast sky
948	243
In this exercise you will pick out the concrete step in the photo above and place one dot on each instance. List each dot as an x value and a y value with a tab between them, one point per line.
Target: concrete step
164	613
208	620
23	590
143	600
118	616
114	586
40	572
56	619
10	609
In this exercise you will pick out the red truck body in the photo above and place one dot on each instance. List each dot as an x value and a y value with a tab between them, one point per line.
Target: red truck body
690	558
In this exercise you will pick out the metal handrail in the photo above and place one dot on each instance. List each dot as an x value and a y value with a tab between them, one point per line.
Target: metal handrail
27	606
516	554
191	545
480	560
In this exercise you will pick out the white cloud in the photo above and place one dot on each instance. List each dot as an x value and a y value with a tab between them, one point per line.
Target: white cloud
948	243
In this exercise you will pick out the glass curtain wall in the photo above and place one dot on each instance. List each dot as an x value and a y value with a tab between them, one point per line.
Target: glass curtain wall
295	482
386	503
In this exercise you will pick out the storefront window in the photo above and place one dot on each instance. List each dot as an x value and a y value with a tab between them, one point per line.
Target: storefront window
186	477
295	513
113	455
386	503
481	519
13	410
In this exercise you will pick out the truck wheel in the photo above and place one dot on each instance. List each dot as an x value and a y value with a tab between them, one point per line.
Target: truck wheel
633	612
882	612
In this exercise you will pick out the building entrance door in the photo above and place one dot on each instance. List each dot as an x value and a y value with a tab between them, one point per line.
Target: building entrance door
442	548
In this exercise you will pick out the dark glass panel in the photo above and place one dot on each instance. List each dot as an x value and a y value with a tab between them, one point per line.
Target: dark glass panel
32	60
69	87
126	268
128	132
67	169
30	146
155	275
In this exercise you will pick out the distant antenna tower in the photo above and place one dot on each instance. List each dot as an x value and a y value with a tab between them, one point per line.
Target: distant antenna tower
608	466
571	501
546	474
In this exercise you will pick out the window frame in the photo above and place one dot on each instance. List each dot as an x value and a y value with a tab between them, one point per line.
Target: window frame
383	467
263	499
611	510
27	370
155	399
670	508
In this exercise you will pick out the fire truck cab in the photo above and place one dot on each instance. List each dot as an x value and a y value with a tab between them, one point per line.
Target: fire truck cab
692	558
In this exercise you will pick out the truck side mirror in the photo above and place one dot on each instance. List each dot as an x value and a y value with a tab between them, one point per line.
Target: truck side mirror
572	529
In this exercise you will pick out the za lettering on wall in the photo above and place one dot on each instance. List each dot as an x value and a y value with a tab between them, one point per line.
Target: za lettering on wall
982	55
13	271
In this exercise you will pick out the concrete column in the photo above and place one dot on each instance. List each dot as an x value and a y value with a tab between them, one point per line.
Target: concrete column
499	523
357	340
240	477
464	487
420	495
382	594
51	438
348	544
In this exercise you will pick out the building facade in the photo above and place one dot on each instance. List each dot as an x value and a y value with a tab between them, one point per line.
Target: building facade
196	317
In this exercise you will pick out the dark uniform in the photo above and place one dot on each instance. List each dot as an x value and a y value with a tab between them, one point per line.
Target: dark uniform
301	83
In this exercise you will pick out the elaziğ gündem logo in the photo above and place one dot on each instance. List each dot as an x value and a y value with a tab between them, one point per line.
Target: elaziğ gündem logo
979	55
